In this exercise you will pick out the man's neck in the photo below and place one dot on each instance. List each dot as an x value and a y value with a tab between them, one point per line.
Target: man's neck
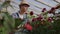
21	12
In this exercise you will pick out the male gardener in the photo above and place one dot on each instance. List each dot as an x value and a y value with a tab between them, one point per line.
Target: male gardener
21	14
23	9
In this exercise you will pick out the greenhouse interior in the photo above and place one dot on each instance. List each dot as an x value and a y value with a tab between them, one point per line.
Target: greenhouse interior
29	16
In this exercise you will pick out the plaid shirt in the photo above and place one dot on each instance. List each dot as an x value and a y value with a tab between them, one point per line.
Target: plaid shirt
16	15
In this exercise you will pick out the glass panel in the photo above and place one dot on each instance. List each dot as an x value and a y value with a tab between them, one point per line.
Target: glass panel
58	1
48	2
39	5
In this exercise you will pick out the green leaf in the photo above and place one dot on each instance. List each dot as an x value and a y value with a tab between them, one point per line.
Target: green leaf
9	22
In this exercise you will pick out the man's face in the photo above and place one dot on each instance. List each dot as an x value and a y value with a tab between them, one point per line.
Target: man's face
24	8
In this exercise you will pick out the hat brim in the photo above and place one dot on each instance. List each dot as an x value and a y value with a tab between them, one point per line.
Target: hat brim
24	4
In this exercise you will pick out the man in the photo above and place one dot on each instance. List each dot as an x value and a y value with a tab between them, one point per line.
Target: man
21	14
23	8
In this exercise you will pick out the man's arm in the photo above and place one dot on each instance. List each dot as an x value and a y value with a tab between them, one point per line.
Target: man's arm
14	15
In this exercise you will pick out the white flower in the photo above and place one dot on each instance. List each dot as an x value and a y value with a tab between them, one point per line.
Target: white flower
52	21
50	15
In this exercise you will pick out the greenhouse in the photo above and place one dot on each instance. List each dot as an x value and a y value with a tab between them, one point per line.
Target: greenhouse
29	16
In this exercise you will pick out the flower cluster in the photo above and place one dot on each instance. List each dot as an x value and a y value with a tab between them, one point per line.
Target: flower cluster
42	18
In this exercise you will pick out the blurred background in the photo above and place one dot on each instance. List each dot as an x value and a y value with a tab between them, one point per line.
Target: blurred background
35	5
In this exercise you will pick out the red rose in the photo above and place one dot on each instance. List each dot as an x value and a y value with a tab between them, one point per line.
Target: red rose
31	13
50	19
44	9
34	19
52	10
28	27
39	18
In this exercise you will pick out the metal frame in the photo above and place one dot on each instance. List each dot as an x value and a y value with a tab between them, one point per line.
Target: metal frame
56	1
43	3
39	2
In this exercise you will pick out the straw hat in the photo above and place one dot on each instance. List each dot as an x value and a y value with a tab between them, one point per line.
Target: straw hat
23	2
